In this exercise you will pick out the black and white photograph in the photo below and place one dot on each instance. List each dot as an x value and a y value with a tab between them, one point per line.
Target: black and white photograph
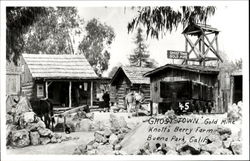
131	80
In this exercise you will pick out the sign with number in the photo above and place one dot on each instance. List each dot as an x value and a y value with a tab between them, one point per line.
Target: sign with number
184	107
177	54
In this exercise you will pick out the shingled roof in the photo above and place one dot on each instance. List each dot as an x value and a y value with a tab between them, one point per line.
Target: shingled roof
191	68
134	74
59	66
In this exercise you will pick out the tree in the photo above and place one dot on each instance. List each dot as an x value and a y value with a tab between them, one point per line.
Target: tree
55	33
18	21
113	70
95	45
140	57
162	19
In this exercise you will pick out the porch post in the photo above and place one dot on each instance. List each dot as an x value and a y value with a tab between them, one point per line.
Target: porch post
46	90
91	93
70	86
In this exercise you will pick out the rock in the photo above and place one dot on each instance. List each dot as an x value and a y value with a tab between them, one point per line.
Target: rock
41	124
118	147
121	136
9	129
107	132
99	137
236	147
28	117
95	145
222	151
9	119
45	132
224	130
105	149
44	140
34	138
113	139
122	122
59	140
58	135
81	149
90	147
114	122
83	126
20	138
204	153
172	152
92	152
214	138
23	106
191	148
224	137
53	140
227	143
212	146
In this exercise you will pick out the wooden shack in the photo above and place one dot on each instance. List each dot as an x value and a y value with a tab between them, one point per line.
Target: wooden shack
67	80
186	82
236	83
128	79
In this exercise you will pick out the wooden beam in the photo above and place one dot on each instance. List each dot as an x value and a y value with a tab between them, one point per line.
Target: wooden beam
70	87
91	93
209	47
46	90
193	46
213	47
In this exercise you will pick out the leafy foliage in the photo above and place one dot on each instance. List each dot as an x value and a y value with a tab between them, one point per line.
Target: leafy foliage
140	57
162	19
54	33
18	21
95	45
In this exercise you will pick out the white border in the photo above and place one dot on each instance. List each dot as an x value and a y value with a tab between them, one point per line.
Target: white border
245	126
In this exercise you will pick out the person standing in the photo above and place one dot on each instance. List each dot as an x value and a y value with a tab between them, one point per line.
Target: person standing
129	101
106	99
101	101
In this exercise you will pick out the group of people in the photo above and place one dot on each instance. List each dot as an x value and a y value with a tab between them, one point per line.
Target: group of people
134	101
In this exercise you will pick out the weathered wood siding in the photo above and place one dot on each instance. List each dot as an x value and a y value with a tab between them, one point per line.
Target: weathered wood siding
179	75
13	76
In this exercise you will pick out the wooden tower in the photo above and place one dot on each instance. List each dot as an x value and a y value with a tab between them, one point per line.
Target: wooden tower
203	35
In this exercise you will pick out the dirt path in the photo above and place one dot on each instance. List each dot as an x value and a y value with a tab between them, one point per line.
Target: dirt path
66	147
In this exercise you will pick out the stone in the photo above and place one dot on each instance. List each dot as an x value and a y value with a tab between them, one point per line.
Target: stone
41	124
9	129
83	126
45	132
224	130
121	136
53	140
20	138
227	143
222	151
214	138
114	122
23	106
81	149
9	119
172	152
118	147
204	153
59	140
99	137
92	152
95	145
90	147
236	147
28	117
34	138
191	148
212	146
107	132
113	139
105	149
44	140
58	135
122	122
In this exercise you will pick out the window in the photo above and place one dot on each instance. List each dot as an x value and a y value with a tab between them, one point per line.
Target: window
40	90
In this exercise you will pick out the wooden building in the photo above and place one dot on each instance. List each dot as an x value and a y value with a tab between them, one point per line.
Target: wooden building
68	80
186	82
128	79
236	83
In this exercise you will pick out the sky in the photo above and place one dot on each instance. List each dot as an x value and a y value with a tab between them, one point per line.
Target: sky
230	20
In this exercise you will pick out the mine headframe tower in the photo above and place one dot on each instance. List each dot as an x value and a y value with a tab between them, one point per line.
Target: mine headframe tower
207	41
